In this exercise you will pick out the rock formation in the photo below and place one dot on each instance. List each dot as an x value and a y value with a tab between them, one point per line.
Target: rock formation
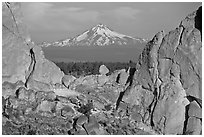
170	68
22	60
16	44
162	95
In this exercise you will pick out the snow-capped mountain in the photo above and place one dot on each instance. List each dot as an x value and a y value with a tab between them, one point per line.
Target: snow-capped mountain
99	35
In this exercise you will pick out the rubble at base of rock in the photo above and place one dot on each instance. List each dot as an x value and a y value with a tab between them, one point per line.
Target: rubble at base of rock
162	95
85	110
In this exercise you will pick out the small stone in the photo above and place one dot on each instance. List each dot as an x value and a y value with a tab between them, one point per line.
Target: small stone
103	70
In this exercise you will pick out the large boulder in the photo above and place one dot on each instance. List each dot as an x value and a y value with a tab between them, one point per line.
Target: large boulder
45	70
170	67
21	58
103	70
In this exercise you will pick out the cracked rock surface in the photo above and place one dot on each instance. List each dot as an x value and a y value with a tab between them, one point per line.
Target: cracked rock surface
170	68
161	95
22	60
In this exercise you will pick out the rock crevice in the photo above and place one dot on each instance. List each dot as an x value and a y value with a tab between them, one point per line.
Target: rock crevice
173	63
31	67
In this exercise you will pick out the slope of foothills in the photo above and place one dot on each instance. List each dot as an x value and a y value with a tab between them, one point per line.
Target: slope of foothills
162	94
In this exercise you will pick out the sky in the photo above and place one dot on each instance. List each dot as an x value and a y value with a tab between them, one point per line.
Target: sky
57	21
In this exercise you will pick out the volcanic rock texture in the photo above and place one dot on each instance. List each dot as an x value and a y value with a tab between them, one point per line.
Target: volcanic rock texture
162	95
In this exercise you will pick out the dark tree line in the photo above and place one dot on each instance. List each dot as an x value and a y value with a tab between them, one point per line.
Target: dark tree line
87	68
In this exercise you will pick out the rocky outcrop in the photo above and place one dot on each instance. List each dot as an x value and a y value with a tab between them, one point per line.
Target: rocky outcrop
170	68
45	70
16	44
162	95
22	60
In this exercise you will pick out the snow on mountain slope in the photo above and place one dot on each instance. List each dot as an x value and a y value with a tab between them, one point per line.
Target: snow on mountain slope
99	35
104	31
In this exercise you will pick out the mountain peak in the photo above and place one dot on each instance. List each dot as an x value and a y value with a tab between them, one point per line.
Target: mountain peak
100	35
106	32
100	25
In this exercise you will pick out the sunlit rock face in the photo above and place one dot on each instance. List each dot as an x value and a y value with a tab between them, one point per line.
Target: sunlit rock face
15	44
170	68
22	60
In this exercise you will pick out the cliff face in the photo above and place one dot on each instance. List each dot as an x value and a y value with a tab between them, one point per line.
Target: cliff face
15	44
22	60
170	69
